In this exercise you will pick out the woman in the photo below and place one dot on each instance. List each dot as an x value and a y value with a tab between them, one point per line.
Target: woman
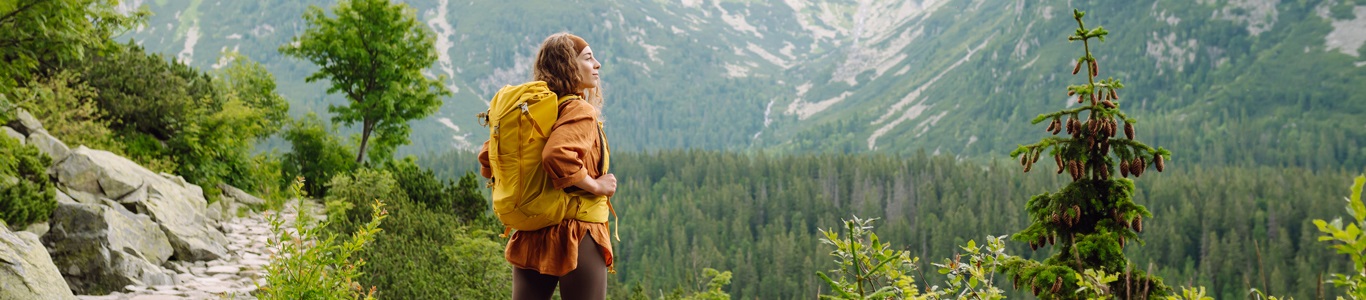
575	254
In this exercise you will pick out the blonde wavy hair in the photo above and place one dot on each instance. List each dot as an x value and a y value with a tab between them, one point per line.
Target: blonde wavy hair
556	65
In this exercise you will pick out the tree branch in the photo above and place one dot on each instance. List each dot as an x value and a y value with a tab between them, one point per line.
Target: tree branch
11	14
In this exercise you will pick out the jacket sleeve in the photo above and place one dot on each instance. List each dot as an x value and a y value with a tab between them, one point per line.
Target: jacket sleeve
484	164
571	139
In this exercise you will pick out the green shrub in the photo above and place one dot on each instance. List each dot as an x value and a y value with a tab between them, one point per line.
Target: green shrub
26	195
68	111
424	254
349	193
315	154
422	187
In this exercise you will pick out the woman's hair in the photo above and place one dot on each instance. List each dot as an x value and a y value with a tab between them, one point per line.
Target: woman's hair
557	65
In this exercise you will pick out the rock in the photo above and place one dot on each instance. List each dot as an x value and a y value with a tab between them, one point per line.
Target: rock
25	123
62	197
178	207
239	196
49	145
83	197
102	173
38	229
14	134
26	269
103	247
215	211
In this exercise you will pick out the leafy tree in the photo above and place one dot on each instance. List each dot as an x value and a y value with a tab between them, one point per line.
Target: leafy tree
1092	217
250	82
316	155
40	34
373	52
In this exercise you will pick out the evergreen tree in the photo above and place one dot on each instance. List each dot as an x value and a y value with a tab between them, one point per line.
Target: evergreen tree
1091	218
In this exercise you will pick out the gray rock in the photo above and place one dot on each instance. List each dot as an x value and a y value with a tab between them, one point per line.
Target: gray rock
49	145
239	195
26	269
83	197
178	207
38	229
13	134
182	216
101	173
62	197
104	247
215	211
25	123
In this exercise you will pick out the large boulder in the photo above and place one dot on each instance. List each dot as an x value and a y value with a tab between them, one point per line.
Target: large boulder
13	134
49	145
100	172
26	270
101	248
177	206
25	123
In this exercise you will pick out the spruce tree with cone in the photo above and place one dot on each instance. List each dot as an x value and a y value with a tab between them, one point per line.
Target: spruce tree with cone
1094	217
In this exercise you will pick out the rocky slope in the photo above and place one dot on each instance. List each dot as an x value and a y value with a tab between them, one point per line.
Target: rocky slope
121	230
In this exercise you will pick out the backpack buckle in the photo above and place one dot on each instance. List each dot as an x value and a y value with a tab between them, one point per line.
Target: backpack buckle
524	108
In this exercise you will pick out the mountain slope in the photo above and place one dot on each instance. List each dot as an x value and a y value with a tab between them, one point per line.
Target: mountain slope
1240	82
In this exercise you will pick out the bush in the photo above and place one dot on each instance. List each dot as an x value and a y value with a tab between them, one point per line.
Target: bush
425	252
422	187
349	194
26	195
68	111
316	155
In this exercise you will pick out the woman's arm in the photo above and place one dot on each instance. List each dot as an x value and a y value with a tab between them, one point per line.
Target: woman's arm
605	185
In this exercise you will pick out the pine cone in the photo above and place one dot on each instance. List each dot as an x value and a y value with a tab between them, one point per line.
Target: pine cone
1076	69
1077	210
1095	67
1114	95
1070	93
1157	161
1108	104
1124	168
1121	242
1028	166
1081	98
1051	125
1138	224
1057	284
1057	158
1023	158
1129	130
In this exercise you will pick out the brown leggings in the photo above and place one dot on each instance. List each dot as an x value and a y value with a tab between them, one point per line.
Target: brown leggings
588	281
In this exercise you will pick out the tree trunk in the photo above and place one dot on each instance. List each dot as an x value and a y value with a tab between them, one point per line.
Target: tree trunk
366	128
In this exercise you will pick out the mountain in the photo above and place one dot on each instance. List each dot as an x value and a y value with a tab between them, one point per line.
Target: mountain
1246	82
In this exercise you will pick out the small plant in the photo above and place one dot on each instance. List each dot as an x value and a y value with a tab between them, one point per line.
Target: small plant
1349	240
716	280
972	279
306	267
869	269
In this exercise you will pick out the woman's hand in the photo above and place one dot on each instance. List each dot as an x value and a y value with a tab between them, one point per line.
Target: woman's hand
605	185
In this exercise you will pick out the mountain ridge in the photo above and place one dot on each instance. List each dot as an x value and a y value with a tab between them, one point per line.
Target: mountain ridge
950	76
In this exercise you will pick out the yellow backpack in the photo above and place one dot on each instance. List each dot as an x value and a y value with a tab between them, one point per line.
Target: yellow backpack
519	121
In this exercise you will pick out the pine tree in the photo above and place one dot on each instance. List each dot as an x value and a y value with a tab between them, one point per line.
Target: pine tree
1093	217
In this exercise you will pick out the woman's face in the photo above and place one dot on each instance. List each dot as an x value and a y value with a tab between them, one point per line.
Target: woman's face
588	68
